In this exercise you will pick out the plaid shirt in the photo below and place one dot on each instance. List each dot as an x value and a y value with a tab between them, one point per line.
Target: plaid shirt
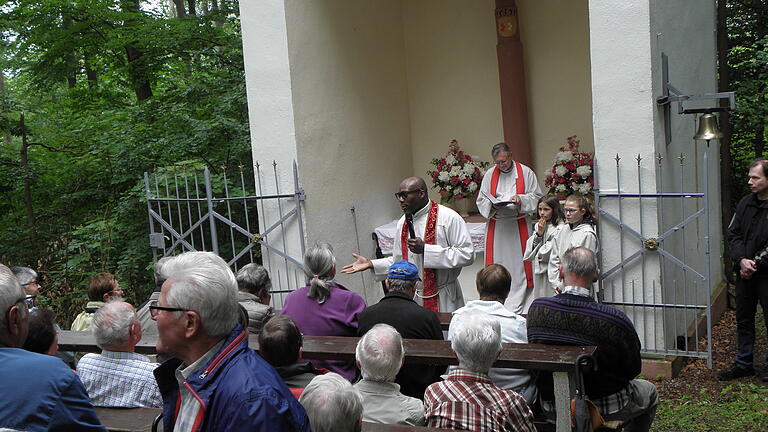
119	379
469	401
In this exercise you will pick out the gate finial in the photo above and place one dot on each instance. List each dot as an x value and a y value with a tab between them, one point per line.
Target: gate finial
681	158
617	159
659	158
638	159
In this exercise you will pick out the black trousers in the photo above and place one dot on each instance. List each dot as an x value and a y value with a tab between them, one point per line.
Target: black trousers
749	293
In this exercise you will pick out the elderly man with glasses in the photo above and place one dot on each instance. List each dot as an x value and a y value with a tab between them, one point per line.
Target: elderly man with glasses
214	381
434	238
53	396
28	280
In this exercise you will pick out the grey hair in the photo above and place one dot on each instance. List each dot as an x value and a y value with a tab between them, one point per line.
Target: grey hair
401	285
112	323
476	341
380	353
498	148
319	265
203	282
24	274
254	279
159	280
332	404
580	261
10	294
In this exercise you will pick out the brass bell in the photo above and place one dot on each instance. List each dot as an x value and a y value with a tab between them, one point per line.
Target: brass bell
708	129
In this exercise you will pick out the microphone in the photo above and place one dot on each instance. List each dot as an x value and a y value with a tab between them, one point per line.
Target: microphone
409	221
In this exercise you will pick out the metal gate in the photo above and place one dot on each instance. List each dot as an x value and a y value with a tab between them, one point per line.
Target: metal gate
655	253
242	217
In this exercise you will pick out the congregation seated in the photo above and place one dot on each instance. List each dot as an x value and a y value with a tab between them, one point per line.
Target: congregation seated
280	345
40	393
324	307
332	404
42	337
493	285
468	399
118	377
410	319
101	288
575	318
214	380
379	355
253	294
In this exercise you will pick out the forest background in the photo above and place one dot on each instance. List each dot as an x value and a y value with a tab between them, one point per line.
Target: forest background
93	93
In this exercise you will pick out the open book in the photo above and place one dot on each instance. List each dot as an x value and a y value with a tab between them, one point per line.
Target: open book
494	200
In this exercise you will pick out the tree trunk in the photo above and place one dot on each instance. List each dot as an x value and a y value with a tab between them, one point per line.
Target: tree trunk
726	161
27	173
206	11
7	131
92	75
192	10
71	59
181	12
215	9
137	67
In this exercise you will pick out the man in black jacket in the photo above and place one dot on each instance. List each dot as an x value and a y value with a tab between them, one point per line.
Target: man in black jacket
412	321
747	237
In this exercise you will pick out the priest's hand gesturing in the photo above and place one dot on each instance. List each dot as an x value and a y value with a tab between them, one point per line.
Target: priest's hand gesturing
416	245
361	263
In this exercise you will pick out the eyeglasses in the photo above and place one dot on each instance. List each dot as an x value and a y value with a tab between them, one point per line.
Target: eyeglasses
154	309
570	210
404	194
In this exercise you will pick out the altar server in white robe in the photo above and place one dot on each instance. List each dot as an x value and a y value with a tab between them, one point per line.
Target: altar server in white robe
578	231
539	246
516	189
441	247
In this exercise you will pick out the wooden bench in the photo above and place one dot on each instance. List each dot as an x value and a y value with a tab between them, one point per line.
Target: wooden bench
560	360
128	419
140	420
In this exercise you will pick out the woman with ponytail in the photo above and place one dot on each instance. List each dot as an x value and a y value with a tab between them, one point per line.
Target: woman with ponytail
324	307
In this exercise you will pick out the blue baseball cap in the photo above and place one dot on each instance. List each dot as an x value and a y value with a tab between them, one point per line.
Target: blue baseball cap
405	270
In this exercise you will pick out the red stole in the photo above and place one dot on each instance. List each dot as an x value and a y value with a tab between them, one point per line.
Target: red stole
430	297
522	224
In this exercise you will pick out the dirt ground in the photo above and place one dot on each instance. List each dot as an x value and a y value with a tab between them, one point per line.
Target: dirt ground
696	375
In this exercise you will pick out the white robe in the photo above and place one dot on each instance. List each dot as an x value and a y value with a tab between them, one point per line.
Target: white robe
583	235
507	247
452	250
537	251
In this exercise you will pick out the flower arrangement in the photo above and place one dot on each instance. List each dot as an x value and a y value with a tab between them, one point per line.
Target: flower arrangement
456	175
572	171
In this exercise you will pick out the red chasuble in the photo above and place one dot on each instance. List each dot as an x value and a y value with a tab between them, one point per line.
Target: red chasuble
522	225
430	297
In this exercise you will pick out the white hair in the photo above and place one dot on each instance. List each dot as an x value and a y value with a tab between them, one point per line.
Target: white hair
24	274
204	283
380	353
112	323
10	294
332	404
476	341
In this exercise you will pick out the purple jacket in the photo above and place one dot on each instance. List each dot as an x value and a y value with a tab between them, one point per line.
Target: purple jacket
337	316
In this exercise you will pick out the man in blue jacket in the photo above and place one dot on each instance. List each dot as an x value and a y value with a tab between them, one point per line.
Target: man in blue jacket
215	382
53	397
